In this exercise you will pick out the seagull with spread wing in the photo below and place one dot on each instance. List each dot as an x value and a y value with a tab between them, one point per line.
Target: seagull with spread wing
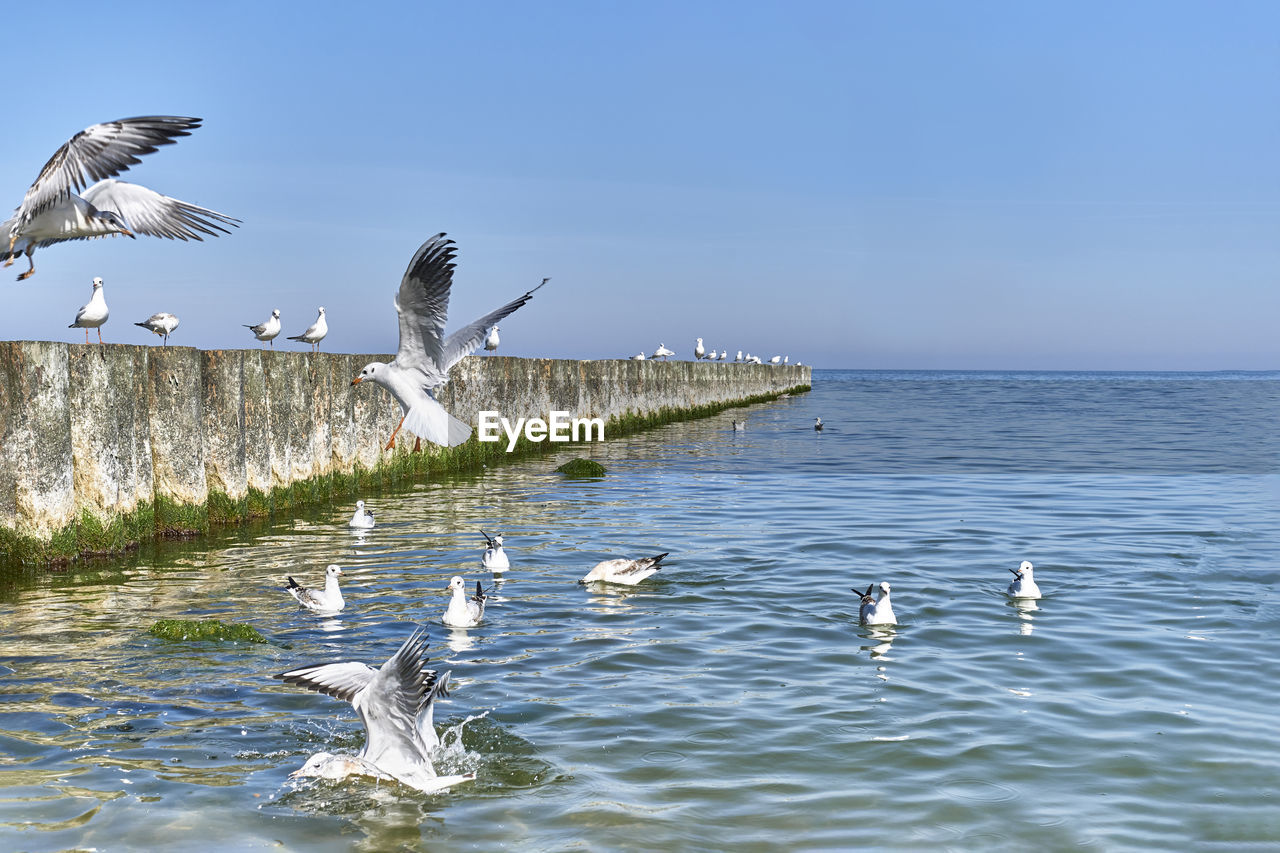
421	366
396	704
54	211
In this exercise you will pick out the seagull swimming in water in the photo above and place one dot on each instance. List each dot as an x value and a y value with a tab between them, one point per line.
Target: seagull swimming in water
623	571
268	328
662	352
93	314
52	211
494	559
425	355
464	612
363	518
873	612
315	332
1024	583
162	324
396	704
817	424
327	600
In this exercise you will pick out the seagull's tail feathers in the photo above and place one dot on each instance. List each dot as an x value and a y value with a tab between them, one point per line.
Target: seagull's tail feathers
428	420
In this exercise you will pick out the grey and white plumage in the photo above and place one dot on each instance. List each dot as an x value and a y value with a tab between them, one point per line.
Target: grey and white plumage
638	357
396	704
93	313
624	571
464	612
422	362
698	350
1024	582
53	210
494	558
326	600
724	355
662	352
162	324
268	328
362	518
877	612
817	424
492	342
740	426
315	332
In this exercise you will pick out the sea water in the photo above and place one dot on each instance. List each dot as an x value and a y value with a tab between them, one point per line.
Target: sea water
731	701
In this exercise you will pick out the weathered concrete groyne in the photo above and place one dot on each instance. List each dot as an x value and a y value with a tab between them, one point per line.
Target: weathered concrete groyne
102	447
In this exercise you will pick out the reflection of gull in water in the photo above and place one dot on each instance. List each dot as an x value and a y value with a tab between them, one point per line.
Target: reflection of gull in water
623	571
1024	582
396	704
327	600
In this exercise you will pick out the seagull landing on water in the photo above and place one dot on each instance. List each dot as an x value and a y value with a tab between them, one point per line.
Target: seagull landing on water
162	324
315	332
363	518
93	314
268	328
698	351
1024	582
873	612
52	211
327	600
464	612
623	571
817	424
422	362
494	559
396	704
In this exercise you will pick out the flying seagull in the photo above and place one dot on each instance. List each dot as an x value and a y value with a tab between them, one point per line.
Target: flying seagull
422	362
396	704
315	332
162	324
53	210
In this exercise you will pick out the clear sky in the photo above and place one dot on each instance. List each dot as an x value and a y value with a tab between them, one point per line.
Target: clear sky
1013	185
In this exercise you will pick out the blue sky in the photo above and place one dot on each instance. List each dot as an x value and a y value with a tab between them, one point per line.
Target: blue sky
856	184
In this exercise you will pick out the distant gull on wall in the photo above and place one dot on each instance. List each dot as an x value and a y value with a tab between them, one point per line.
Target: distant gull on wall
162	324
93	314
491	343
53	212
268	328
698	351
662	352
315	332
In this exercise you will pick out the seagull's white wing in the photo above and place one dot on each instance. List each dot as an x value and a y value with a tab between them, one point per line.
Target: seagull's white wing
468	339
390	707
148	212
97	152
423	305
339	680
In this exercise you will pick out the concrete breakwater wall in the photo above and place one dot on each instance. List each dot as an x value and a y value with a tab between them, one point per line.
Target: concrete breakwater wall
102	447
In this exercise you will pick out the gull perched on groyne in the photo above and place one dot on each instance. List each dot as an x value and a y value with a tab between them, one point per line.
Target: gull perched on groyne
162	324
52	211
624	571
662	352
494	559
396	704
698	351
268	328
315	332
422	362
327	600
93	313
1024	582
492	342
464	612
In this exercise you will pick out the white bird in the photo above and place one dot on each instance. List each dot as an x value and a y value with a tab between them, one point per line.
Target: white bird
491	343
712	356
92	314
777	359
315	332
638	357
817	424
623	571
162	324
662	352
740	426
494	559
52	211
425	355
396	704
363	518
724	355
698	351
327	600
268	328
464	612
874	612
1024	582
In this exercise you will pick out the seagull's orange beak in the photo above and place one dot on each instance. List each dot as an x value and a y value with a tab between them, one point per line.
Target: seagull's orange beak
357	380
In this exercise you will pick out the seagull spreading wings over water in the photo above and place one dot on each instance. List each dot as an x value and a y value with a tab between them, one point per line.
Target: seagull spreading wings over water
422	362
53	211
396	704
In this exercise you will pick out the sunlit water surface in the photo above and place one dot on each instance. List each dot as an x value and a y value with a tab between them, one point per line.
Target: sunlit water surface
731	701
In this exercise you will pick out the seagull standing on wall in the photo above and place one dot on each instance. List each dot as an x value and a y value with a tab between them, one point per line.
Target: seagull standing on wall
422	362
662	352
93	314
315	332
268	328
491	343
162	324
53	212
698	351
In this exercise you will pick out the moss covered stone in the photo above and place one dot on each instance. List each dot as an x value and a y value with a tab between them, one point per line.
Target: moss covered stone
204	629
582	468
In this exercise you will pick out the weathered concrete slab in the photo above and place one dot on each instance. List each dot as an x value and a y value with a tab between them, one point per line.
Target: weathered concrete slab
175	397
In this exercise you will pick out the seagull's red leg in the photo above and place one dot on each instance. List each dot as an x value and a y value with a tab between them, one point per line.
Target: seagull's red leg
417	444
392	443
86	334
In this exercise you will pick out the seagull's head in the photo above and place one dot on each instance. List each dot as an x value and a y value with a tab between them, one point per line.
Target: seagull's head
1024	571
97	282
456	583
373	371
116	221
497	540
884	587
333	571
